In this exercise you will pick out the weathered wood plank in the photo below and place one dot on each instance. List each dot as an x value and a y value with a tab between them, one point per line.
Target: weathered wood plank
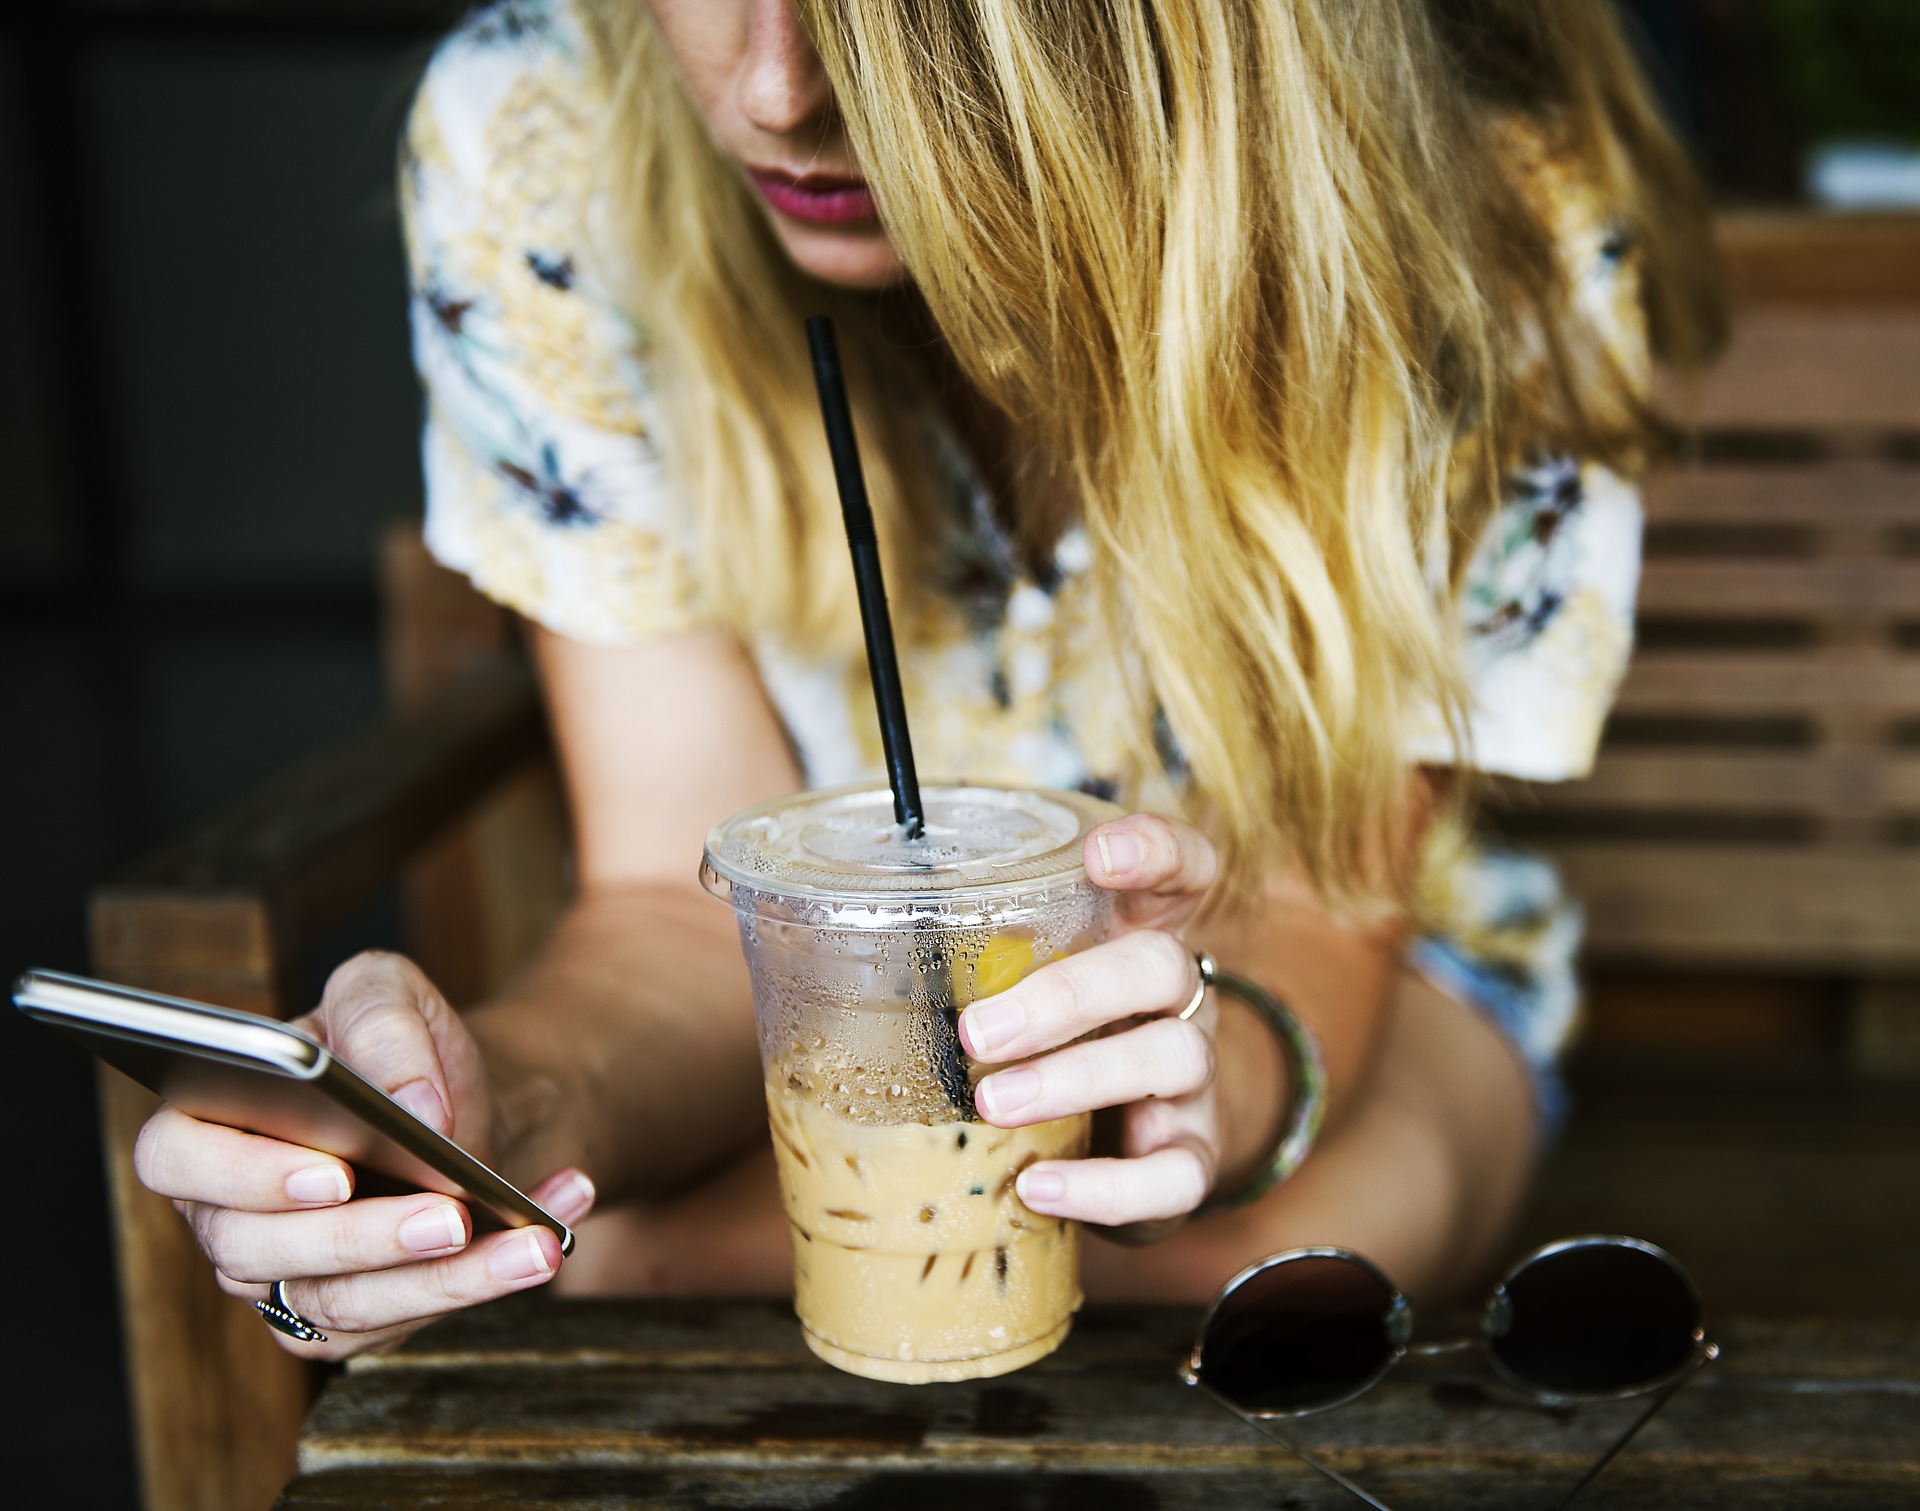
1747	906
673	1334
1795	257
1756	589
1140	1422
216	938
1734	781
691	1334
1862	494
667	1336
1631	1484
1697	683
1788	1404
1799	369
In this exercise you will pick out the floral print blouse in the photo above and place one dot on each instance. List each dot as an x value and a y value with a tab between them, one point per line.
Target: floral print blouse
544	487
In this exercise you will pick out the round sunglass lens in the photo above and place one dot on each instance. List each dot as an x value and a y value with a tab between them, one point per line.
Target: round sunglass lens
1595	1318
1301	1333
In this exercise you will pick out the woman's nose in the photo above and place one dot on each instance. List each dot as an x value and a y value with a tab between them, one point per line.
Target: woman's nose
782	85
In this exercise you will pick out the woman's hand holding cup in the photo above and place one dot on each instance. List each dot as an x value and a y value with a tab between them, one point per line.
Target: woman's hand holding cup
364	1272
1159	1070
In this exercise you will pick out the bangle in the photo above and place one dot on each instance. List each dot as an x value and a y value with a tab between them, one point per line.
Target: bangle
1302	1053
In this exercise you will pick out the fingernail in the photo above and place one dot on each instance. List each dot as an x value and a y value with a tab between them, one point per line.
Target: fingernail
1009	1091
1041	1186
987	1025
420	1098
434	1231
520	1259
573	1198
1119	853
318	1183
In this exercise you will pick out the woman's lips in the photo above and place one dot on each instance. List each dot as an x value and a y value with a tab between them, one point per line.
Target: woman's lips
817	198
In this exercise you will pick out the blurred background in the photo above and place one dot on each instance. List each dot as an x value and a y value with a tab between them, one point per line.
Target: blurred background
207	412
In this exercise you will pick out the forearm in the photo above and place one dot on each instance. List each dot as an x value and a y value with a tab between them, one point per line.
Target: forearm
1422	1175
628	1047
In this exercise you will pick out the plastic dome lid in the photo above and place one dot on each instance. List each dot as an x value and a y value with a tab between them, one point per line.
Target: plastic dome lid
842	845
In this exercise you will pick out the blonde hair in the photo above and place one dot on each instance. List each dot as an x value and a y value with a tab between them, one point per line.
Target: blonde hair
1251	278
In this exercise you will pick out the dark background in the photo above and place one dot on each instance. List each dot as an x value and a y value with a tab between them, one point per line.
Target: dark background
206	412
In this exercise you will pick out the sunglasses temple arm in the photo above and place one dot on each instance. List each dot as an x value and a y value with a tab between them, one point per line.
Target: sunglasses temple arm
1306	1458
1706	1355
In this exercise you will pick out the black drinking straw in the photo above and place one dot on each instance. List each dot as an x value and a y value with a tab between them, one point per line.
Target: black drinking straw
949	1060
882	664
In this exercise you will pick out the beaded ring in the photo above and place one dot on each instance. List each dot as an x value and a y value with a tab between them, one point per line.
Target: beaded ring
282	1318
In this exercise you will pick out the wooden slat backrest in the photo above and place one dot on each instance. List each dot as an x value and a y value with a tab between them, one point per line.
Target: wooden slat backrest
1757	800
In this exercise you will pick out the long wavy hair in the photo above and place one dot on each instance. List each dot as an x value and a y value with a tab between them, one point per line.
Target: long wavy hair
1255	283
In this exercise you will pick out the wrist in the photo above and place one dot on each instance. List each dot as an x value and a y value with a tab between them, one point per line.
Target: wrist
1304	1108
1255	1091
527	1123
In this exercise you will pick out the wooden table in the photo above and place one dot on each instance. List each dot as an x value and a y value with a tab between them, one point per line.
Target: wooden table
547	1404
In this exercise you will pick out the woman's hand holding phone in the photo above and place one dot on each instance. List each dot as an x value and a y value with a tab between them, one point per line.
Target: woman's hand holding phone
367	1272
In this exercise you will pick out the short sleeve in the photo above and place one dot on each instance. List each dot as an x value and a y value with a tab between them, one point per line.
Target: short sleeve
1547	619
542	484
1546	603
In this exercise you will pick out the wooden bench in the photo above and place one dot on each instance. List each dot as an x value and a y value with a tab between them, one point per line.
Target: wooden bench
1756	805
454	794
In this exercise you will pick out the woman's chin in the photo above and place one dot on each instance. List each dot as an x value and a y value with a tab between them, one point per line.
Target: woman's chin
849	257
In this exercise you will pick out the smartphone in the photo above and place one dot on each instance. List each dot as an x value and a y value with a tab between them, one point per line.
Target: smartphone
260	1076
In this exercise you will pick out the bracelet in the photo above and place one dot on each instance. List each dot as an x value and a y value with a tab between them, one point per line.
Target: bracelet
1302	1052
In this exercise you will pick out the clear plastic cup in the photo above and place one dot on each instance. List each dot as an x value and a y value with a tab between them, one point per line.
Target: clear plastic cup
914	1259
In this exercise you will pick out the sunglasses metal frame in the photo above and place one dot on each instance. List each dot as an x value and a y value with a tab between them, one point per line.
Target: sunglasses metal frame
1398	1325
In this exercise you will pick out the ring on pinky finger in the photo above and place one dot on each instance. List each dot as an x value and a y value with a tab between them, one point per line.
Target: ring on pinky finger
313	1343
371	1301
278	1313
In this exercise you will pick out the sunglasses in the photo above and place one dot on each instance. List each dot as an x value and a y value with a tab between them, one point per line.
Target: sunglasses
1598	1318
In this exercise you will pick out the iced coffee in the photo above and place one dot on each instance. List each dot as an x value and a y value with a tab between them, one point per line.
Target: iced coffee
914	1258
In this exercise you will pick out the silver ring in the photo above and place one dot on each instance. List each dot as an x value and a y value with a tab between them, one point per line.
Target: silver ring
1204	962
282	1318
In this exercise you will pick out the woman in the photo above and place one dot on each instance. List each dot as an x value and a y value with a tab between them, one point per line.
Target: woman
1251	390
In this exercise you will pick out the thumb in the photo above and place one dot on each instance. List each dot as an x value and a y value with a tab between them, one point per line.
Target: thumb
379	1014
1161	869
